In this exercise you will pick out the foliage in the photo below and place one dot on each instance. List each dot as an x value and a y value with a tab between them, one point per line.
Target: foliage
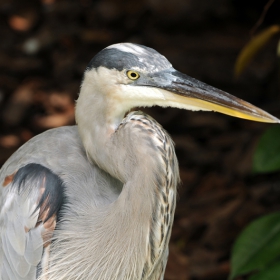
270	273
257	247
267	154
250	50
256	251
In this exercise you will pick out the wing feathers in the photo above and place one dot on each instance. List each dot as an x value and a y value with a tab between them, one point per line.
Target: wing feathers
34	249
40	179
7	272
33	197
15	232
17	262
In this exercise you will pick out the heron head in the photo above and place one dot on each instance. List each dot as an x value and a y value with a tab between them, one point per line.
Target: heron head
133	75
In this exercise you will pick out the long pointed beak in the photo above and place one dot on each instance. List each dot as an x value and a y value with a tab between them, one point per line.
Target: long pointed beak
200	96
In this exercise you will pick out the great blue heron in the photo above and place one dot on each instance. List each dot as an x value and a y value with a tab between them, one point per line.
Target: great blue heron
97	200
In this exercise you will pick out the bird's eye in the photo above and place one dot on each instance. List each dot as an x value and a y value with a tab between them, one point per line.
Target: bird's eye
132	75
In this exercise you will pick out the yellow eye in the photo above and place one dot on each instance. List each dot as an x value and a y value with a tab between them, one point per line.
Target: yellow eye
132	75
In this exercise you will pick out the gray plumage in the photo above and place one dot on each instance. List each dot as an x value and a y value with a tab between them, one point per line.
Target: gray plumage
97	200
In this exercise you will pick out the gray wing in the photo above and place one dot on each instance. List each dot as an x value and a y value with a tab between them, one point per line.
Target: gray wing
32	197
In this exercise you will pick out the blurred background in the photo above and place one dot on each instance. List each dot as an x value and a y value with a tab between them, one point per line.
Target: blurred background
45	46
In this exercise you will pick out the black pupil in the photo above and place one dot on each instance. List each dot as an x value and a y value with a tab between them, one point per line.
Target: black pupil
133	75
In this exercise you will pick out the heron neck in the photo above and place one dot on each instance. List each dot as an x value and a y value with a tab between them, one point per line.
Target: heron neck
98	117
138	152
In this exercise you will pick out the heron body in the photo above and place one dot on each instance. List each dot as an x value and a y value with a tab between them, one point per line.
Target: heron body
97	200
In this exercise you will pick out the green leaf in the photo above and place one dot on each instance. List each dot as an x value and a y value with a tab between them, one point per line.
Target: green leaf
267	154
270	273
253	47
257	246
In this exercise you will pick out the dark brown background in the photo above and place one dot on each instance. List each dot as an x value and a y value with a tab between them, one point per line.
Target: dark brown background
45	47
